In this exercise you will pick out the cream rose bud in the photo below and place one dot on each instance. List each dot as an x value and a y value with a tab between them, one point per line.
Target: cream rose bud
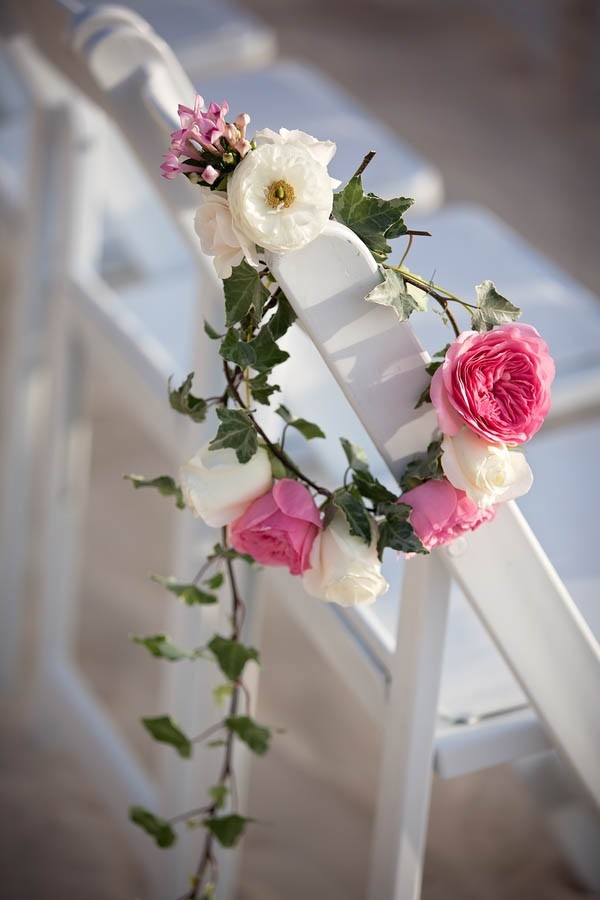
487	473
218	488
218	235
344	569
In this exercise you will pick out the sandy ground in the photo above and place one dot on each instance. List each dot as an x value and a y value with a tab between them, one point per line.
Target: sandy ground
512	131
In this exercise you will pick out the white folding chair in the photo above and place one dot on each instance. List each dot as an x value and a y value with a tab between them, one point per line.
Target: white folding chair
114	328
500	568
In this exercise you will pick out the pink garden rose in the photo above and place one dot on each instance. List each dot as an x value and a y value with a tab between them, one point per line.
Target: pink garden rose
279	528
497	383
441	513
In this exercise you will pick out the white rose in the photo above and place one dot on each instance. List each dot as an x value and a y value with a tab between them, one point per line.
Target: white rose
488	473
218	488
218	235
280	195
343	569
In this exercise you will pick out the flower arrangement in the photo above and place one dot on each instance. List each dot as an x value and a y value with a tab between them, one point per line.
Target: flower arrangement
490	388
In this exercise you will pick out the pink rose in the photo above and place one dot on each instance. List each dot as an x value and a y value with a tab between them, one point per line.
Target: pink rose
441	513
279	528
497	383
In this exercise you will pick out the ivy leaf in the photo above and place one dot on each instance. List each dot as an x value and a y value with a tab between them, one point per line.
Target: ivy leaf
268	353
370	217
232	656
164	730
183	401
218	794
190	594
395	530
160	645
157	828
283	317
492	308
216	581
278	468
368	486
244	291
307	429
235	431
392	292
261	389
426	467
355	514
221	693
236	350
227	829
256	736
164	484
220	552
356	456
210	331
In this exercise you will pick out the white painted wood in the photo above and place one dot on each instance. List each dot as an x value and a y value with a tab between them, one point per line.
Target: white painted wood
402	811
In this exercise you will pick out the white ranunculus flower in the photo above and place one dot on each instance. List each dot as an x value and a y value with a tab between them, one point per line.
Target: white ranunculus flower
218	488
322	151
280	194
343	569
488	473
218	235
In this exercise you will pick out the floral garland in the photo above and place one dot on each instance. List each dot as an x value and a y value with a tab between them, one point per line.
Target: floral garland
490	388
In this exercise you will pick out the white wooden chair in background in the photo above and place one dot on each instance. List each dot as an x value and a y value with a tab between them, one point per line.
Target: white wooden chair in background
129	345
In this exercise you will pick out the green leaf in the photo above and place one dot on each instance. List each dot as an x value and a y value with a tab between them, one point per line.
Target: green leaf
216	581
244	291
232	656
220	552
373	219
307	429
235	431
221	693
426	467
368	486
256	736
396	532
278	468
157	828
493	309
164	484
210	331
164	730
160	645
227	829
261	389
357	518
356	456
218	794
268	353
190	594
392	292
282	318
237	350
183	401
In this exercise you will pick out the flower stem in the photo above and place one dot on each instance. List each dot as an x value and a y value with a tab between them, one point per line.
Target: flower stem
364	163
439	294
282	457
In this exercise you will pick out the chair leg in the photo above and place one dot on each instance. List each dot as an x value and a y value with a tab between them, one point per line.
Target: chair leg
406	769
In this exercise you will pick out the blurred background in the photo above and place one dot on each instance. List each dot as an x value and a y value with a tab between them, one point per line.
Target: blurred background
494	105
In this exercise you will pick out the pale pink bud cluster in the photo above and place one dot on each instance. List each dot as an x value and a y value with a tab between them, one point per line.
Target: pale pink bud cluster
206	145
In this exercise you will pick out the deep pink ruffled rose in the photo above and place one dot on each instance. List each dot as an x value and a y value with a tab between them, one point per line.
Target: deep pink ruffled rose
497	383
279	528
441	513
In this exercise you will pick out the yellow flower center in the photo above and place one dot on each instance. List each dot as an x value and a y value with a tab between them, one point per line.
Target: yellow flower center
279	194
